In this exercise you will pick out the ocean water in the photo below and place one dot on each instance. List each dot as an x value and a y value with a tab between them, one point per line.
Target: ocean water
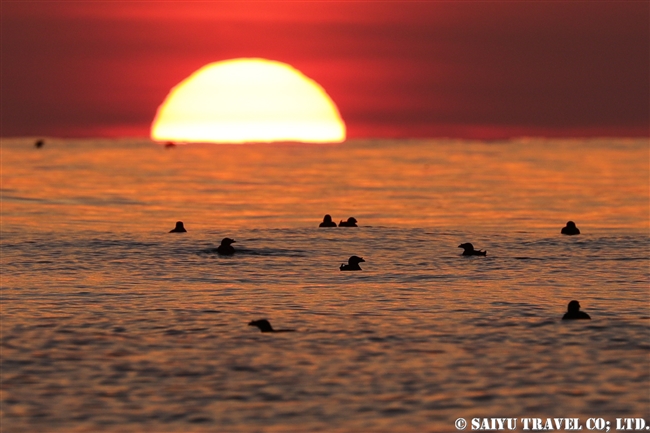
110	323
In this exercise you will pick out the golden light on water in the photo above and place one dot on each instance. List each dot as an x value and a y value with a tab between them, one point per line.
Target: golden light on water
248	100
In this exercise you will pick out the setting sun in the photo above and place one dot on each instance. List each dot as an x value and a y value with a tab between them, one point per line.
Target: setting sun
248	100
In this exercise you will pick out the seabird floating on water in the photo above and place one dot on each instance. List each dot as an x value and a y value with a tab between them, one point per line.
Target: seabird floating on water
327	222
179	228
574	313
570	229
353	264
351	222
265	326
468	250
226	249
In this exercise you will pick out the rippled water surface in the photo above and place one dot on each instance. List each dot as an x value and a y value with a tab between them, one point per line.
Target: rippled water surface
109	323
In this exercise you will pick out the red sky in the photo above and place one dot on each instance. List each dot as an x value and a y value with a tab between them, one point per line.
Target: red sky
395	69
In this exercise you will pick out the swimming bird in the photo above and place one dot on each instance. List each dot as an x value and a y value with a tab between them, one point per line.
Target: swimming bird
353	264
570	229
574	313
468	250
351	222
39	143
327	222
265	326
179	228
226	249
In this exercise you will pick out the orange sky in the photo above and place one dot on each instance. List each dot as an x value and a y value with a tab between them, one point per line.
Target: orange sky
395	69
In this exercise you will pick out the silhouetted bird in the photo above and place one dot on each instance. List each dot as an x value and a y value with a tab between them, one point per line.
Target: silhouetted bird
327	222
265	326
573	312
351	222
570	229
39	143
179	228
468	250
353	264
226	249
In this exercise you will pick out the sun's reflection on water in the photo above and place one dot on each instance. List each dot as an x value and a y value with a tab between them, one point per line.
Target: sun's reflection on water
516	185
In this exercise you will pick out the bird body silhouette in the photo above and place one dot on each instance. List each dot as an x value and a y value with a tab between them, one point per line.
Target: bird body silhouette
574	313
468	250
327	222
351	222
353	264
180	228
570	229
226	249
265	326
